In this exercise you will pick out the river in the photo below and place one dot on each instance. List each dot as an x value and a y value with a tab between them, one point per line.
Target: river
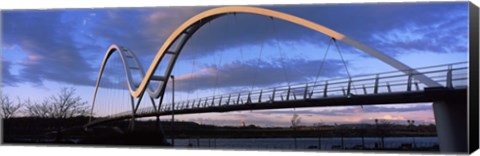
305	143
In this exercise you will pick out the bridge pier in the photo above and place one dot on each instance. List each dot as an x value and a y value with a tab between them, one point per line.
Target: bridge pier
451	122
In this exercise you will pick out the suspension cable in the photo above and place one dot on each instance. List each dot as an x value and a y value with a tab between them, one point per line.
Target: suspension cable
242	59
110	87
322	63
220	60
117	79
241	47
344	64
341	56
282	55
124	86
192	75
258	66
258	63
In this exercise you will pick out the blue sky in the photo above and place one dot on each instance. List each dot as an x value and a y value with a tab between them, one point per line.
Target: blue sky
44	50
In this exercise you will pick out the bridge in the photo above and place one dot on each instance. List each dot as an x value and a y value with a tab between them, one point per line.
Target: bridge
382	88
445	85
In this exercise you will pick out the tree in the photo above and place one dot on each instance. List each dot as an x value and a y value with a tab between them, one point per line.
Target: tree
383	128
8	108
296	119
319	127
411	126
61	106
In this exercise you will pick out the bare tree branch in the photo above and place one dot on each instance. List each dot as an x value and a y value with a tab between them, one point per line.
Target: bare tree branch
8	108
63	105
296	119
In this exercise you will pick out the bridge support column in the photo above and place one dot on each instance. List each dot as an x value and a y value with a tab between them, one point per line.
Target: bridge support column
451	123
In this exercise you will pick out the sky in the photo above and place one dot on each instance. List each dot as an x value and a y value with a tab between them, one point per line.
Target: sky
45	50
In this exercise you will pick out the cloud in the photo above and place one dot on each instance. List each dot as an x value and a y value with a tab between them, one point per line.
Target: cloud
51	50
436	24
67	45
142	30
390	117
391	28
8	79
259	74
344	115
349	111
372	109
448	36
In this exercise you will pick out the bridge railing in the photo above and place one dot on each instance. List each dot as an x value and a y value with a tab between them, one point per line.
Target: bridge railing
449	75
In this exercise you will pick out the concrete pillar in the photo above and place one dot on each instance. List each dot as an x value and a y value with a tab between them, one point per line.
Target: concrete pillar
451	122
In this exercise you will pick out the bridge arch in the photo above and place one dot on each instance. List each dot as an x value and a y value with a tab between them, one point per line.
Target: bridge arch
175	42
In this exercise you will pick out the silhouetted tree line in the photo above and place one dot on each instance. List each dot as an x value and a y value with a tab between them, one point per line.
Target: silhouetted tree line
8	107
51	114
63	105
193	130
38	126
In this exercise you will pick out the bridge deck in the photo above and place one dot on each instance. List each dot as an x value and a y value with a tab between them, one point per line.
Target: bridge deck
427	95
382	88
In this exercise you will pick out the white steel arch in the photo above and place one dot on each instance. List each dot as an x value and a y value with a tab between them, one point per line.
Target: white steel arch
181	35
